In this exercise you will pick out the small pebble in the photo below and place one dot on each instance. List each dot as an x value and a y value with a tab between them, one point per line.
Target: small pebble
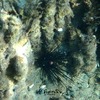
30	87
60	29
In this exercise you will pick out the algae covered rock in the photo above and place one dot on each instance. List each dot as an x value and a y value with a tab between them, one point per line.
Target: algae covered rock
49	49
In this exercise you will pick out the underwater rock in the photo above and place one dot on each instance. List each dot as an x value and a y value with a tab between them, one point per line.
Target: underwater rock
49	49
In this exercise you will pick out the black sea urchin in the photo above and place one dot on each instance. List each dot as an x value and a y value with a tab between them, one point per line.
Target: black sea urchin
52	64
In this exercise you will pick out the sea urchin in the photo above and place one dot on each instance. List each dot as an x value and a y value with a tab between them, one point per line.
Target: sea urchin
52	64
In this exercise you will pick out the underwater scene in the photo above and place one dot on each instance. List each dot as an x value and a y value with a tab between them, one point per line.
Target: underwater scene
49	49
